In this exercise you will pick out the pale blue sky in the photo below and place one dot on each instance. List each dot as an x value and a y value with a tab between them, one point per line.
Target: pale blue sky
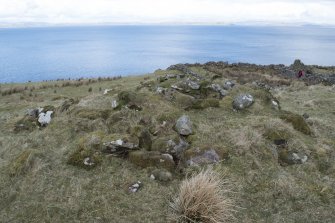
64	12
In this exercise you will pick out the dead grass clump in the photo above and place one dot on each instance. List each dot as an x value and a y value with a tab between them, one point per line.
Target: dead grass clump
88	152
22	163
297	121
202	198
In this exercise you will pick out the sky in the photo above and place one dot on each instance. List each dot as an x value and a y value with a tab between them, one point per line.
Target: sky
78	12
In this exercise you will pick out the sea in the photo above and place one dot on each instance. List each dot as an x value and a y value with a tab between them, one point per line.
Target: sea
50	53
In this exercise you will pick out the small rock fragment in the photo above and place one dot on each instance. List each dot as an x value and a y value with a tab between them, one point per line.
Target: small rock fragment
88	161
135	187
106	91
115	104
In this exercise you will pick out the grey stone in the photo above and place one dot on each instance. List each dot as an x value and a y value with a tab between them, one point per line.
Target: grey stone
33	112
160	90
219	89
228	85
177	149
133	188
275	105
119	147
161	175
208	157
115	104
243	101
184	125
193	85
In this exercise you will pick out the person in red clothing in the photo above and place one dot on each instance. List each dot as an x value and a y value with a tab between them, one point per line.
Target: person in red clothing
301	73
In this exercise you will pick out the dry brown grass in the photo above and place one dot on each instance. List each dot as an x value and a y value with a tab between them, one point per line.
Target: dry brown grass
203	198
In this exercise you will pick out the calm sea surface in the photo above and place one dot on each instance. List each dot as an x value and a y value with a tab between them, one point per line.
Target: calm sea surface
49	53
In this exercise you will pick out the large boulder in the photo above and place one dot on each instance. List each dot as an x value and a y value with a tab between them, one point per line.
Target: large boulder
184	126
243	101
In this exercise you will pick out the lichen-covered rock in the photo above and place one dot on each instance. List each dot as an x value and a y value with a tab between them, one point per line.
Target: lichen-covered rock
219	89
151	159
228	85
289	157
177	149
33	112
120	147
45	118
193	85
184	126
198	157
161	175
243	101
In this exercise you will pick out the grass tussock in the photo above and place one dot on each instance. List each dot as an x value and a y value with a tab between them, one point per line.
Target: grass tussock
203	198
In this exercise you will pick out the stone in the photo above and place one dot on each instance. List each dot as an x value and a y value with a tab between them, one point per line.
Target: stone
119	147
193	85
115	104
275	105
146	159
184	126
290	158
88	161
161	175
133	188
164	144
228	85
207	157
243	101
45	118
33	112
160	90
219	89
106	91
177	150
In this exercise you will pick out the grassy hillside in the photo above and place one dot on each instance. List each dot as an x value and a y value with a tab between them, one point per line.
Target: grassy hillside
43	177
